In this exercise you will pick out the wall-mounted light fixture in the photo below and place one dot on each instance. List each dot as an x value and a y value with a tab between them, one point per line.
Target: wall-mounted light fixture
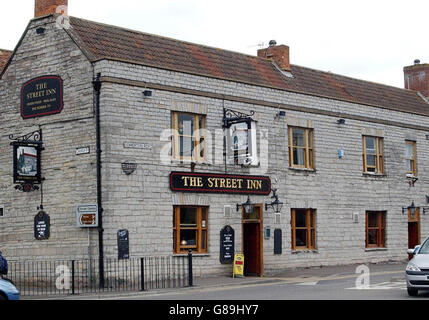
280	114
147	93
248	206
276	205
341	121
411	209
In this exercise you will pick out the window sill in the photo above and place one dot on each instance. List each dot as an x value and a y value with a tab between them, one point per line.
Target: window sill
302	169
375	175
375	249
304	251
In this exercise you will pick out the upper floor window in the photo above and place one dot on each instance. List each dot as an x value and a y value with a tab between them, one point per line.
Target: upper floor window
410	156
373	160
189	136
301	146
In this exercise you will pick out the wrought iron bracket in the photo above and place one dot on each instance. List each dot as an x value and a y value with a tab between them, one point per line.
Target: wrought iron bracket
34	137
231	116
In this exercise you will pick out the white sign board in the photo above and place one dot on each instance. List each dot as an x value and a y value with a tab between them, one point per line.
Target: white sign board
87	215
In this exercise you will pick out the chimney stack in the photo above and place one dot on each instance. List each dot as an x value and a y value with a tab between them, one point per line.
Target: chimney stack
44	7
416	77
278	54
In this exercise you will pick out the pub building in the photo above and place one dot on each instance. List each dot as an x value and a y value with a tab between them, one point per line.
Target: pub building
177	146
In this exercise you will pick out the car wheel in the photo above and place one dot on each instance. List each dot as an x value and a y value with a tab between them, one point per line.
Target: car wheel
413	292
2	297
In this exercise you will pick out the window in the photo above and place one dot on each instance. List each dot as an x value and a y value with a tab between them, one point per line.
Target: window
189	139
301	153
303	229
1	211
410	156
375	229
373	161
190	228
242	143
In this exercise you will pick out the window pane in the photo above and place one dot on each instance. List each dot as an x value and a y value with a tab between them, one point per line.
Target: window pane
370	145
409	165
373	237
186	124
301	238
300	218
186	146
409	151
370	161
188	237
188	217
298	137
372	220
310	138
298	156
239	136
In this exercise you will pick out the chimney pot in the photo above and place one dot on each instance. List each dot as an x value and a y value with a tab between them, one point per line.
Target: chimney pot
417	61
45	7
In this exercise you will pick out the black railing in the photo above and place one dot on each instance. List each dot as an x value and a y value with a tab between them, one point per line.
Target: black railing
67	277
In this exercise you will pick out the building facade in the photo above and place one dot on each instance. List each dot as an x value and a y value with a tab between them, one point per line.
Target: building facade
345	157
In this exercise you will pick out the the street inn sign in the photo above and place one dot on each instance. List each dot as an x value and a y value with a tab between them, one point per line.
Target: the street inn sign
219	183
42	96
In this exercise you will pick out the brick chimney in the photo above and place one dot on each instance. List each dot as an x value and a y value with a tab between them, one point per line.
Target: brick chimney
44	7
278	54
416	77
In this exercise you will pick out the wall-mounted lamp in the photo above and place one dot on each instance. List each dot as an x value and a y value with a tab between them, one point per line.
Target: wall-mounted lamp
412	209
341	121
248	206
280	114
147	93
276	205
40	30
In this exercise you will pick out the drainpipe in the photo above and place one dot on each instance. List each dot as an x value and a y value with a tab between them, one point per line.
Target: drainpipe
97	89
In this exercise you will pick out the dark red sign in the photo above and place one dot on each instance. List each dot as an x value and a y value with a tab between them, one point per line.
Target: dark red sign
219	183
42	96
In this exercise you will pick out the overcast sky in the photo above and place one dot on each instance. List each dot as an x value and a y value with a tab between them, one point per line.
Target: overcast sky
370	40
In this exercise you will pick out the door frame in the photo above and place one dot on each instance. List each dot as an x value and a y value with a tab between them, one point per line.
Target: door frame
415	220
261	235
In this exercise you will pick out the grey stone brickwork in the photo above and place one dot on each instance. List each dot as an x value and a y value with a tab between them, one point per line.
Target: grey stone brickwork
143	203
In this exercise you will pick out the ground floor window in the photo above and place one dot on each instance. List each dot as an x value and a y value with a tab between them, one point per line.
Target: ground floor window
375	229
190	228
303	229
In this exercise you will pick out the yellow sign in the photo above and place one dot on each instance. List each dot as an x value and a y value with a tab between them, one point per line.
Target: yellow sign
238	265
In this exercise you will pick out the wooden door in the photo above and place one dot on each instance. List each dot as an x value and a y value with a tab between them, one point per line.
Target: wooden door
413	231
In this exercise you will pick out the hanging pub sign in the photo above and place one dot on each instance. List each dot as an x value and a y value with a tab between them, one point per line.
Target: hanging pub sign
42	225
219	183
227	245
26	163
42	96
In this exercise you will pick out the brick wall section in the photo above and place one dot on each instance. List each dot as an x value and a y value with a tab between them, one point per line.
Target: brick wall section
416	78
278	54
44	7
70	179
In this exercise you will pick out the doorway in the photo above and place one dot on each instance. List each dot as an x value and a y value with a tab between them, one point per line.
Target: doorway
413	230
252	242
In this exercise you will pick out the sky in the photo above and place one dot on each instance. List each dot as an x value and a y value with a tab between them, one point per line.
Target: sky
368	40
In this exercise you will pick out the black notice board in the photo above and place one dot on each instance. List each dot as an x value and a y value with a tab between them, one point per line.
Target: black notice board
278	241
227	239
123	245
42	226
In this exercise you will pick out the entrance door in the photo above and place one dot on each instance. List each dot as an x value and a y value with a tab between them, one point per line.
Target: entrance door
252	242
413	231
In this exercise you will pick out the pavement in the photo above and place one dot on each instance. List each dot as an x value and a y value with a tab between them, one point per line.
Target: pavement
395	270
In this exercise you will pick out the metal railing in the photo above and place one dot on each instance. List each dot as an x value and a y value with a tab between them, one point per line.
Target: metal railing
68	277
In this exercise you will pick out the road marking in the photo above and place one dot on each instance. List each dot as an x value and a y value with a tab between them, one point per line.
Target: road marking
383	286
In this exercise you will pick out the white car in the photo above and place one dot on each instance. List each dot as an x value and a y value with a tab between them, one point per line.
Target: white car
417	272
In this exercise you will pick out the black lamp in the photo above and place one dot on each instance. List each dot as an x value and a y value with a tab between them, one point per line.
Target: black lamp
276	204
248	206
412	209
